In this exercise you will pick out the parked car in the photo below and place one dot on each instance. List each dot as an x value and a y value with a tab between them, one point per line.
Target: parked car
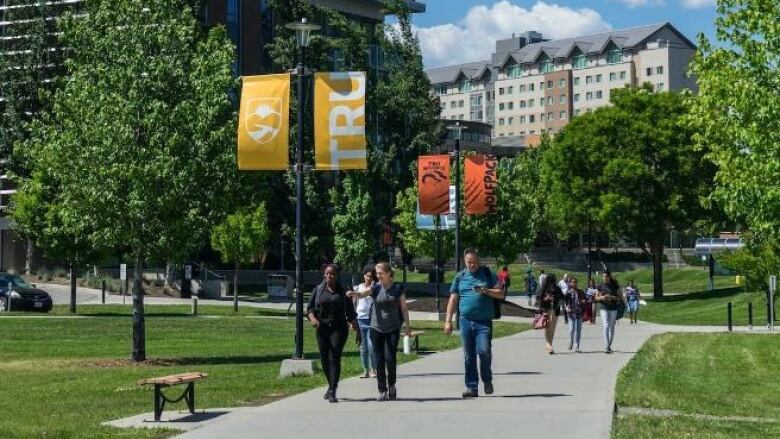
23	296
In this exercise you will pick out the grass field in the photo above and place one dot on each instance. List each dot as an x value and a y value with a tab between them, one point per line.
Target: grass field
706	308
62	377
710	374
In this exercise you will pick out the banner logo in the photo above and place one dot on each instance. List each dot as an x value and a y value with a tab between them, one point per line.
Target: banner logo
433	184
264	119
263	124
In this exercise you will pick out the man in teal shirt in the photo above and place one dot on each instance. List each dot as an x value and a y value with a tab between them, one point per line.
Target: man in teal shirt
473	291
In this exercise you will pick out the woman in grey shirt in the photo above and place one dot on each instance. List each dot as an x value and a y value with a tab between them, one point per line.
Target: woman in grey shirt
388	314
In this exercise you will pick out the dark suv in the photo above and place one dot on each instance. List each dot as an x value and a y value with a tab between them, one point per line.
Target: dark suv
22	295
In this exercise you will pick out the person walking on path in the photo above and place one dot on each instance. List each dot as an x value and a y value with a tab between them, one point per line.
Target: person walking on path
590	294
563	284
610	299
329	312
361	294
530	285
549	299
632	300
387	316
576	304
503	279
472	292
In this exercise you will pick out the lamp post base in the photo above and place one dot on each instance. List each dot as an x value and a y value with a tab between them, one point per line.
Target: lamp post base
294	367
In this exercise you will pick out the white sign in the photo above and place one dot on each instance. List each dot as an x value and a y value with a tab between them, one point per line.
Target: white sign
123	271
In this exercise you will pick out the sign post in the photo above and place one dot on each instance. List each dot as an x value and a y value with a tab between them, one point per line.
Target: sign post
772	289
123	278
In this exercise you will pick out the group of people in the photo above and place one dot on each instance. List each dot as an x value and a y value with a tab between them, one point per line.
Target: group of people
376	310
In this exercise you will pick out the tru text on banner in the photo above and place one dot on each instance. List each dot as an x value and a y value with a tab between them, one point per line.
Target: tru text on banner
340	121
263	124
433	184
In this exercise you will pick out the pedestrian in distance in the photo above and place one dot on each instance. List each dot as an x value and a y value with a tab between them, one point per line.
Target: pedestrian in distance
610	299
530	285
503	279
550	299
361	295
563	284
632	297
472	293
331	312
590	293
388	314
576	304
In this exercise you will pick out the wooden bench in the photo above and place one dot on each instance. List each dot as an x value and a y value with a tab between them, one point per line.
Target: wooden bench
159	383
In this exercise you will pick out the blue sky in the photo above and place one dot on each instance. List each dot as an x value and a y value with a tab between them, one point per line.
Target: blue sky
453	31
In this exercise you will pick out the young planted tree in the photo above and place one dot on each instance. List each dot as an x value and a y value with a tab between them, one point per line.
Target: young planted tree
353	221
240	238
632	167
140	143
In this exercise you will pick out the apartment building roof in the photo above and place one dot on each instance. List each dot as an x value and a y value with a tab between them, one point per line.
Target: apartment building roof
556	49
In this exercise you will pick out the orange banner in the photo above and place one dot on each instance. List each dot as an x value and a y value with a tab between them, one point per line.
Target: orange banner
433	184
481	179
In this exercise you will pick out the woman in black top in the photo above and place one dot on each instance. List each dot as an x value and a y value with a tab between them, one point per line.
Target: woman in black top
329	311
609	297
549	299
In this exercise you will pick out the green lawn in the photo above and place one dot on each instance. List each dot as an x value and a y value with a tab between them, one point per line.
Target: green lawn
61	377
706	308
711	374
162	310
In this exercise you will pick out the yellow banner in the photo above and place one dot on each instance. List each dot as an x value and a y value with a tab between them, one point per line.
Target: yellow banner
340	121
264	121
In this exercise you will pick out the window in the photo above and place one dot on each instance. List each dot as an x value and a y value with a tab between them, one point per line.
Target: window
659	70
460	103
588	79
511	134
563	115
501	91
501	122
589	96
562	99
562	83
510	105
613	76
576	80
545	65
522	88
522	119
542	117
460	116
541	85
576	97
522	104
549	84
649	71
532	132
453	104
514	71
510	121
464	86
453	117
541	102
531	118
599	94
614	56
549	100
440	90
530	103
522	133
501	106
598	78
550	116
578	62
509	90
623	74
659	86
531	87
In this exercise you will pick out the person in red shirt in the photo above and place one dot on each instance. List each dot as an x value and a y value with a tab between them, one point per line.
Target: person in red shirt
503	279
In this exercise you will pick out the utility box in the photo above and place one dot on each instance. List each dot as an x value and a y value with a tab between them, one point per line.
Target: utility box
280	286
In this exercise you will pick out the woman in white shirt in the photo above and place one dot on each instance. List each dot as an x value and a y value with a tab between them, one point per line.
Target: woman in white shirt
361	294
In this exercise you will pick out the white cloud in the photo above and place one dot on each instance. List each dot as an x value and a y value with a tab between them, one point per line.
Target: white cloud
473	37
697	4
638	3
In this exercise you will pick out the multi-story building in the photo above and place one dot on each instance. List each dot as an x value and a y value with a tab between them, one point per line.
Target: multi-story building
531	85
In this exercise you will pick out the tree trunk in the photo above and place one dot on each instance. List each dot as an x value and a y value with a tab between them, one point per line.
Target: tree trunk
657	249
73	288
235	285
28	258
139	330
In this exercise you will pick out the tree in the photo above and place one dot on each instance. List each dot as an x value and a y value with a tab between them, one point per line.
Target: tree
352	223
632	168
240	238
737	116
140	143
416	241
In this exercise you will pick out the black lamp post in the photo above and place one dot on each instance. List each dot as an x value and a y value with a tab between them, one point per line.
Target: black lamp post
303	31
458	129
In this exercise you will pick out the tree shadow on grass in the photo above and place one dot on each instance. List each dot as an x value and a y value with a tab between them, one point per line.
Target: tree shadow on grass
699	295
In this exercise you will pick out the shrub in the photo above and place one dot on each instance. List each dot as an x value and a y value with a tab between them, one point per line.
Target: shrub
756	264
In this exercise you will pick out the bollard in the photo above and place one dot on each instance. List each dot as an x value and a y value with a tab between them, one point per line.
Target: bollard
194	305
750	315
729	317
103	292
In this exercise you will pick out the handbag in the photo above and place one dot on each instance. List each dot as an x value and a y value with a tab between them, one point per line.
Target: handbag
541	320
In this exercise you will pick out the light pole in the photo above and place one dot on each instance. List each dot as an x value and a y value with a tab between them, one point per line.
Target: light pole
458	129
303	31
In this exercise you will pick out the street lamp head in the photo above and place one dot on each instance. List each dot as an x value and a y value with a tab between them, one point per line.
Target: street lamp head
303	31
458	128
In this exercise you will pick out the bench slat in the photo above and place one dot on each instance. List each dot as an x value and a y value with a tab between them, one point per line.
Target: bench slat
170	380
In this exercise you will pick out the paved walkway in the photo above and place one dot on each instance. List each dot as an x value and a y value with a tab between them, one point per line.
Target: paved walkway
565	395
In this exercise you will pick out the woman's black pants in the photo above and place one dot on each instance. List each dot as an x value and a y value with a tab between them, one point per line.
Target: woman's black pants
385	349
331	341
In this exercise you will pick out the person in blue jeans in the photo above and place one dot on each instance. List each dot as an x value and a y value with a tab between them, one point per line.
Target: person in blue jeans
472	292
361	294
575	307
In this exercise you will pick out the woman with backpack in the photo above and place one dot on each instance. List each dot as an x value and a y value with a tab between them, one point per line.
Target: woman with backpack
610	299
330	312
549	298
361	294
576	304
388	314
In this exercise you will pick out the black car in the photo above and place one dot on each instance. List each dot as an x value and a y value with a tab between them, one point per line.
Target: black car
22	295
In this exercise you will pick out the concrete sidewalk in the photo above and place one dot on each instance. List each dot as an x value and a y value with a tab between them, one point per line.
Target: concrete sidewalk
565	395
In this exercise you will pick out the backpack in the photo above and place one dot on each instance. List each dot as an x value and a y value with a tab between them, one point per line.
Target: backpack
496	302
